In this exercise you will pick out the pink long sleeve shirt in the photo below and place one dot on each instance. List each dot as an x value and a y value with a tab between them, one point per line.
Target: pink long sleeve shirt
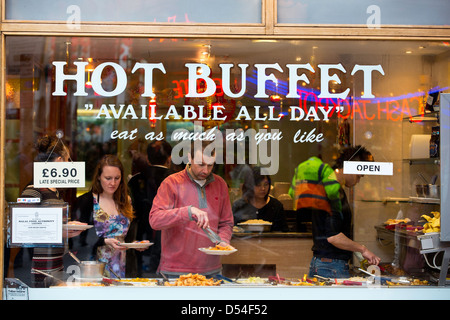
180	235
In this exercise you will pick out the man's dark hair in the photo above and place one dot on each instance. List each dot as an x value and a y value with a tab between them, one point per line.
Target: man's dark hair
203	143
356	153
158	152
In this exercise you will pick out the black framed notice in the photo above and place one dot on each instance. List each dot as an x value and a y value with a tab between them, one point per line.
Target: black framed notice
37	225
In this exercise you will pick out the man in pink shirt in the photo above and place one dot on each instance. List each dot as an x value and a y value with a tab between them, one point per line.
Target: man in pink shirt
186	202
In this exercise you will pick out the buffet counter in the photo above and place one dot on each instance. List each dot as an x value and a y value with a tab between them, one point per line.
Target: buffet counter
269	253
399	235
190	288
412	242
243	292
267	266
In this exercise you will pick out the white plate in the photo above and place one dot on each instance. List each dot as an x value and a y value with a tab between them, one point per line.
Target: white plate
217	252
137	245
76	226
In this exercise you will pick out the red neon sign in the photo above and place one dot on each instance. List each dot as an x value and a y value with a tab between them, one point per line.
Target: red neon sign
363	109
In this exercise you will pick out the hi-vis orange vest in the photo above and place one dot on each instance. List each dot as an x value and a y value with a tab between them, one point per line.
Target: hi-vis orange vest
314	185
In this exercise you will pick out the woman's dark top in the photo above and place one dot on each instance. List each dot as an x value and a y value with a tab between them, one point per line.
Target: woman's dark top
273	212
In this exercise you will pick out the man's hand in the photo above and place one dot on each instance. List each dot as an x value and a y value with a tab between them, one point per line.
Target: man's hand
342	242
201	217
371	257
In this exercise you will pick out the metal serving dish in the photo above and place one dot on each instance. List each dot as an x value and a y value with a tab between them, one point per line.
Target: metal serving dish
91	269
255	227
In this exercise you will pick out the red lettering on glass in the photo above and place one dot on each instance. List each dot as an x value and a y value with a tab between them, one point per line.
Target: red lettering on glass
364	102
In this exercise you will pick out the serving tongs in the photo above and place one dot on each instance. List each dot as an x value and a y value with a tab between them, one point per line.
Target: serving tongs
223	278
164	280
214	237
47	274
324	279
376	277
383	279
74	256
114	282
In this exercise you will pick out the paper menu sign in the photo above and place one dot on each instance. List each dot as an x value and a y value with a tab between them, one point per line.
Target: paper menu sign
36	225
59	174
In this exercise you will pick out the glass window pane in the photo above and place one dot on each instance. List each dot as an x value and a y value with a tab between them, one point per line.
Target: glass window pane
365	12
273	105
174	11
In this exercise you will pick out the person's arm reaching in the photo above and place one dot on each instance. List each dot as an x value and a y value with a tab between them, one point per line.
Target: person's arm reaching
342	242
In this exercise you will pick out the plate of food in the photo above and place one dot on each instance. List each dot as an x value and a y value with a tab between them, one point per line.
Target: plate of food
256	225
139	282
218	250
77	226
137	244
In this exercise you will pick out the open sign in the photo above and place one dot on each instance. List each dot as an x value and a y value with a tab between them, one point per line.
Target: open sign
369	168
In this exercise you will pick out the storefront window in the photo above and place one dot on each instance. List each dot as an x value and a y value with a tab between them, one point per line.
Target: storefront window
368	13
172	11
271	105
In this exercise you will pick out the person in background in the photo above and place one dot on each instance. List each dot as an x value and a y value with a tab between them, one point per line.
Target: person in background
258	204
143	187
137	151
318	189
108	207
186	202
49	260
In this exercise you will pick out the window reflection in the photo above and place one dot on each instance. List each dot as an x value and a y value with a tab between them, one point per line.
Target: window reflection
171	11
296	127
365	13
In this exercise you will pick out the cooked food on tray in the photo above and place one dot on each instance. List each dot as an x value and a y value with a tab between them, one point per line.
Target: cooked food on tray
218	247
396	221
193	280
256	221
